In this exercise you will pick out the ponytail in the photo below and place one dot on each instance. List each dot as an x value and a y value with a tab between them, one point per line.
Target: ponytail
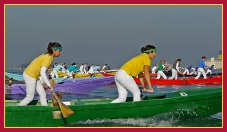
53	46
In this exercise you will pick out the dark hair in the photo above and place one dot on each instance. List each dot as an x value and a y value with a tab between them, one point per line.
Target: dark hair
148	47
178	59
50	47
162	60
203	57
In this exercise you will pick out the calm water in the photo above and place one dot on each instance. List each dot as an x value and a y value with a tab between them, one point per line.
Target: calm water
161	120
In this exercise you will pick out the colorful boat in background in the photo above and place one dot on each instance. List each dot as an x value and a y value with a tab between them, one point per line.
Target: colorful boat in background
201	102
76	85
213	80
79	75
168	74
62	77
108	74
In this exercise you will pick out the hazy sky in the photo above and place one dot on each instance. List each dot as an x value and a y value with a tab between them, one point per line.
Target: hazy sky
113	34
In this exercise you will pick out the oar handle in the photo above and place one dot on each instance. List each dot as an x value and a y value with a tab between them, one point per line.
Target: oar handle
56	97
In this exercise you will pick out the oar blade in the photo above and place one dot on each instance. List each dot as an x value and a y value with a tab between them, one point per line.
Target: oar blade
66	111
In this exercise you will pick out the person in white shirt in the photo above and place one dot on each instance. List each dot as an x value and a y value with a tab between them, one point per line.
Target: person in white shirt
91	70
85	71
160	70
210	69
58	68
105	68
175	69
154	69
82	68
187	70
201	67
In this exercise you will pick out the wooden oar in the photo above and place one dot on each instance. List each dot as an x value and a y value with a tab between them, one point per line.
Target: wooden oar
65	110
186	78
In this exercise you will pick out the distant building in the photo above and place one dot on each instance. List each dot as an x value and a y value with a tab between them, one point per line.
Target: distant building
216	62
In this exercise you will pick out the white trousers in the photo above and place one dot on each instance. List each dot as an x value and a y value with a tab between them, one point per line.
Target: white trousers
201	71
174	74
192	72
55	73
161	74
186	71
209	71
69	74
33	85
125	82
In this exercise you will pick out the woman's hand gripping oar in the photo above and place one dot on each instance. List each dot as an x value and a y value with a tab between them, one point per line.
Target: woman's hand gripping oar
65	110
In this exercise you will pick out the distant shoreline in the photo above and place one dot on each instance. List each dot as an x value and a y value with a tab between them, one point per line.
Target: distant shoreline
18	69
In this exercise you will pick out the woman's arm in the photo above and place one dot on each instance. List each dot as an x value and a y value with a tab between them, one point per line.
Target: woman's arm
147	75
177	67
141	81
44	77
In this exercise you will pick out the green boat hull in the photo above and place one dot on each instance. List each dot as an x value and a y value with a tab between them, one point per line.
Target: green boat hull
199	102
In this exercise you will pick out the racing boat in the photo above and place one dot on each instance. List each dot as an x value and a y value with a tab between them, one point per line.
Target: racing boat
191	102
213	80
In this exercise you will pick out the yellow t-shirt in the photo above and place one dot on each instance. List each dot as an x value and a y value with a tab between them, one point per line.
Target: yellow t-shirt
33	70
135	66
